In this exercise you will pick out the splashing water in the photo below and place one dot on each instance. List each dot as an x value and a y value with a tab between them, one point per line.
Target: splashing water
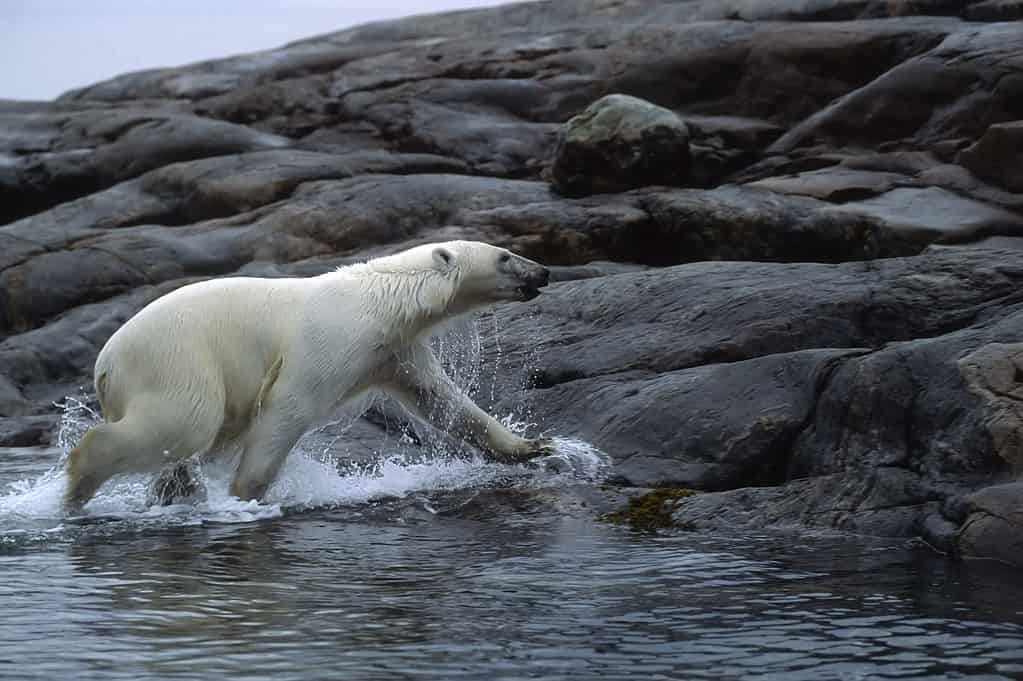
312	476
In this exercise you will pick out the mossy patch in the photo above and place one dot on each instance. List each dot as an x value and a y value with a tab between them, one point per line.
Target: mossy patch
650	511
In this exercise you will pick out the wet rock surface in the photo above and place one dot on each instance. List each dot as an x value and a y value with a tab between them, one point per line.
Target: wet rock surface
774	319
994	526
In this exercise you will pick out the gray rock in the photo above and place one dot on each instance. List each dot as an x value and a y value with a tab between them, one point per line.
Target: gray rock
190	191
71	154
959	180
838	387
939	533
824	10
935	215
114	250
12	401
995	10
836	183
27	431
724	433
619	143
994	528
903	104
993	373
998	155
591	270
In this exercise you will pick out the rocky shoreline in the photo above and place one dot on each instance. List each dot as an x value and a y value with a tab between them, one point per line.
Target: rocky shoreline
789	260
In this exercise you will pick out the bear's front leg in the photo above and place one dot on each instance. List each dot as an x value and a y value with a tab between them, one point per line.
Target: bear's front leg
502	444
419	382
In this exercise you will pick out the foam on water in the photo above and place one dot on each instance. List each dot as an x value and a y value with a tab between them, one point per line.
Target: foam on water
309	480
304	483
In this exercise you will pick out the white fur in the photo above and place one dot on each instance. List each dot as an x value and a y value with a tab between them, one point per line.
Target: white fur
260	361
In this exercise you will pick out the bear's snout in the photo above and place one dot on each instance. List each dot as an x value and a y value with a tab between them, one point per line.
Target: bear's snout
533	280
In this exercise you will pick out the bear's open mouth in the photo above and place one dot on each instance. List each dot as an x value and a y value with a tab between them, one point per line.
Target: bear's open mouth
529	291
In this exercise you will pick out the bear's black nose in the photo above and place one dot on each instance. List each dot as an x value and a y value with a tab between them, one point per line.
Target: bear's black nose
543	277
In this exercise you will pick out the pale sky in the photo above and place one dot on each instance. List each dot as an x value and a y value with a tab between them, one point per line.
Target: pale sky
50	46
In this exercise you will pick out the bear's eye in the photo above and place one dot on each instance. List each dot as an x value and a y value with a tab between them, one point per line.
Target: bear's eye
504	258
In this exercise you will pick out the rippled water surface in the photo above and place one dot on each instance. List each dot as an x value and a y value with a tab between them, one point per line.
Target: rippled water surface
465	570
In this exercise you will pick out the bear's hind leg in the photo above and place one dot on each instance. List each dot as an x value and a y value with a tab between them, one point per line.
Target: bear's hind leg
96	458
145	440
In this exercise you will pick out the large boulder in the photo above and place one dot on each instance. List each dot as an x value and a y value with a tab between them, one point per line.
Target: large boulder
620	143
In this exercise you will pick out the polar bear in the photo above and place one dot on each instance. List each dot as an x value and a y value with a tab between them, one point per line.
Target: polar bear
259	362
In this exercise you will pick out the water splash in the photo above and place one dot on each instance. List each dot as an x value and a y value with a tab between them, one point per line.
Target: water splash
78	417
315	475
306	482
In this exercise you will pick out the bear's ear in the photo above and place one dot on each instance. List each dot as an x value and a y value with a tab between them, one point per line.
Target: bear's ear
443	259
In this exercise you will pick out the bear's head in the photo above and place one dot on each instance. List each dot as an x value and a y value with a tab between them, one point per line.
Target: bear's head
441	280
485	274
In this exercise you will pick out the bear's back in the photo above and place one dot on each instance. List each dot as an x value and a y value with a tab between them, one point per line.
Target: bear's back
229	330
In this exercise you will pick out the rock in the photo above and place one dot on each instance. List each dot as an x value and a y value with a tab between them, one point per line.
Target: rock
219	76
836	183
939	95
591	270
994	528
751	508
994	372
995	10
939	533
998	155
186	192
723	145
53	361
935	215
619	143
990	243
114	250
733	132
12	402
959	180
76	153
827	10
838	388
28	431
493	141
733	435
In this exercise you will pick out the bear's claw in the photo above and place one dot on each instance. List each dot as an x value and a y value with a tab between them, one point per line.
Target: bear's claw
540	446
531	449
